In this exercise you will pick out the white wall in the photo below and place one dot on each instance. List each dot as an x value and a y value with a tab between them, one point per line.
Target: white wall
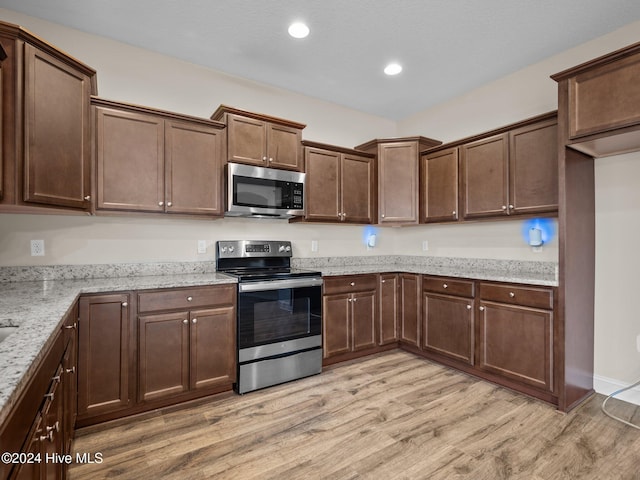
129	74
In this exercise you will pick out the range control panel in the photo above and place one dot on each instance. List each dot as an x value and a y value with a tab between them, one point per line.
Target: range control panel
253	248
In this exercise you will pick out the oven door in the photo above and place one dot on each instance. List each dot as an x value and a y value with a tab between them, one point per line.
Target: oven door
279	316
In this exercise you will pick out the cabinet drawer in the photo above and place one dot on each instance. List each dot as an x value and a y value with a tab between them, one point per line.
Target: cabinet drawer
185	298
537	297
350	283
448	286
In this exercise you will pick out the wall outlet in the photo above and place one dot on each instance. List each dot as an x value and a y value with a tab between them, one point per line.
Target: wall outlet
314	245
425	245
202	246
37	248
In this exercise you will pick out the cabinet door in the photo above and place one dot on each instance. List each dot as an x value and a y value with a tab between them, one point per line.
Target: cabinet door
533	168
57	155
389	309
212	347
336	310
284	147
363	320
448	326
484	177
193	168
516	342
398	182
33	447
247	140
3	72
322	185
105	380
163	355
439	186
410	309
130	161
70	384
52	422
357	176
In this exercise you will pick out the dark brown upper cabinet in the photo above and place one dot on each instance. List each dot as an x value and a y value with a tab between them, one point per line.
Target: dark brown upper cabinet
439	186
153	161
398	177
339	184
601	99
46	137
262	140
513	170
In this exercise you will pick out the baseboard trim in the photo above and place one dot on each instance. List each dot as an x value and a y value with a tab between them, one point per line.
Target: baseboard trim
606	386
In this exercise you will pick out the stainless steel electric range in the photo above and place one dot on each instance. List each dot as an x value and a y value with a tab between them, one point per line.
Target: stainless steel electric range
279	329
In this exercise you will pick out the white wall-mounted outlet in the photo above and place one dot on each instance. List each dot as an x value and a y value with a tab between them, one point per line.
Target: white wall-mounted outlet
425	245
202	246
37	248
314	245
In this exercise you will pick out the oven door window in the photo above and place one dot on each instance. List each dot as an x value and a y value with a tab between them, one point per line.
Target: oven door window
278	315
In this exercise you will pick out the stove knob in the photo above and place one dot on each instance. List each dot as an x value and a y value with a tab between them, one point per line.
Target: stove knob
288	248
224	249
281	248
231	248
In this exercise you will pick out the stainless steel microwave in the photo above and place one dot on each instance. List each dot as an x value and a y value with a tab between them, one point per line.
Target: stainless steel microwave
260	192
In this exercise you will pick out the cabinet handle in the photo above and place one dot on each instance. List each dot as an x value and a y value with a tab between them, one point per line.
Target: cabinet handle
195	320
125	304
160	204
189	299
169	204
468	307
48	436
185	321
71	370
87	198
444	285
70	327
512	295
54	428
56	379
50	396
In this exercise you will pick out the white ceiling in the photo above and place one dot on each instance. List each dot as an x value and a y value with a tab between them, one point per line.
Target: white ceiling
447	47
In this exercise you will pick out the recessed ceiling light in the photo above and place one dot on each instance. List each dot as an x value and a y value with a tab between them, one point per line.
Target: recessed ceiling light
298	30
393	69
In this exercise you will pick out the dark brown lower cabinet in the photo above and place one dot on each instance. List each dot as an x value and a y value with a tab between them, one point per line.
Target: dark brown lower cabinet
105	355
410	309
389	308
349	307
448	313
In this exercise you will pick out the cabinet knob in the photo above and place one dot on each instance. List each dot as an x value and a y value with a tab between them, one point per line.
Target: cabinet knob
468	307
185	321
160	204
512	295
264	159
87	198
189	299
482	309
355	299
382	215
195	320
453	213
125	304
444	285
504	207
353	284
350	300
53	428
169	204
70	370
51	396
70	327
48	436
510	207
382	281
270	159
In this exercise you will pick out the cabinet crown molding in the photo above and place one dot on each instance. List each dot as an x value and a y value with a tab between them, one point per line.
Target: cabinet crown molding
220	112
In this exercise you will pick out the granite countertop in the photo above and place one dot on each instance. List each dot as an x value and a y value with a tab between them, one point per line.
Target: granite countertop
38	307
36	299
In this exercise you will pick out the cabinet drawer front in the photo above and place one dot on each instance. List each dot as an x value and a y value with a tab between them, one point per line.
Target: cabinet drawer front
518	295
448	286
350	283
185	298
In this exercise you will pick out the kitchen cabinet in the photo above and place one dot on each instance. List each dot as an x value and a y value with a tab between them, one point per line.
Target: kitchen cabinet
389	309
513	171
70	377
349	314
516	333
186	340
153	161
261	140
410	309
398	177
601	102
439	186
106	381
448	318
46	139
339	184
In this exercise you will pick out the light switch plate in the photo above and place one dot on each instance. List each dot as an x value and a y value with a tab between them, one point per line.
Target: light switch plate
202	246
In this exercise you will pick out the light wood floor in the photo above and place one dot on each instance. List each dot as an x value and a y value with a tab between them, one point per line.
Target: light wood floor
392	416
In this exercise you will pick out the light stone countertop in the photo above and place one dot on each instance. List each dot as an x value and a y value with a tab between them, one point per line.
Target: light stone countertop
38	308
37	298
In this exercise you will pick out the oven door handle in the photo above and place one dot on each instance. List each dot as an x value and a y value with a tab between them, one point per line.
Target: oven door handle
279	284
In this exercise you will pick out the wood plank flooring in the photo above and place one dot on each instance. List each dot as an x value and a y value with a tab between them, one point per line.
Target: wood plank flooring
390	416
